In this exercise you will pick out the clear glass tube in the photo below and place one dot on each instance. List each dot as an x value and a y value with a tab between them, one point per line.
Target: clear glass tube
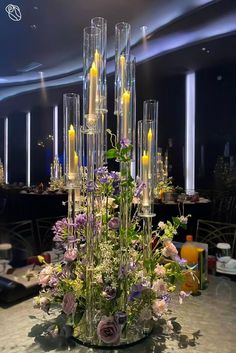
150	115
122	52
92	50
71	109
147	162
101	138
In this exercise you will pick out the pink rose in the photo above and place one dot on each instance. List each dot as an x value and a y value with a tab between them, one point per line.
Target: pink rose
69	303
108	330
71	254
45	276
160	271
169	250
159	307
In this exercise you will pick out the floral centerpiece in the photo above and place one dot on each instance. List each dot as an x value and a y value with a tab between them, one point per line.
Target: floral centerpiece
149	282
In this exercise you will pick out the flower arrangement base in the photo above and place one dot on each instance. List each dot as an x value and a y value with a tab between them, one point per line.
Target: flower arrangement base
133	337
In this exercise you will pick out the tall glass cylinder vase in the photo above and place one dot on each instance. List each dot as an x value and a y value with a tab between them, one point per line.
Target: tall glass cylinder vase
150	115
122	53
92	77
71	138
101	138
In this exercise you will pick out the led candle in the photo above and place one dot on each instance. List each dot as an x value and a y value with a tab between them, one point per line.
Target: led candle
122	72
149	138
126	108
145	164
71	152
93	74
76	161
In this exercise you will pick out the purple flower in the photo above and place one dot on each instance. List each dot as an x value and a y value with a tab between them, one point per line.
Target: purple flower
101	171
115	176
60	229
71	254
166	298
109	293
81	220
114	223
181	262
136	292
69	303
103	180
122	272
108	330
124	142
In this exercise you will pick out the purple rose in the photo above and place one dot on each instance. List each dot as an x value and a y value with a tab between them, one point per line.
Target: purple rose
108	330
70	254
114	223
109	293
69	303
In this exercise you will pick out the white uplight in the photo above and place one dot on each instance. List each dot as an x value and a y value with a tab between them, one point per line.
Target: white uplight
55	131
28	146
190	133
6	149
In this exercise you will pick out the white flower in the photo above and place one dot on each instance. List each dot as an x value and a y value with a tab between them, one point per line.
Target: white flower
183	219
168	328
160	287
160	270
161	225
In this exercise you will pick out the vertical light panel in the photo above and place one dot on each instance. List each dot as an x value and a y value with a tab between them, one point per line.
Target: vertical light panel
55	131
28	147
6	150
190	133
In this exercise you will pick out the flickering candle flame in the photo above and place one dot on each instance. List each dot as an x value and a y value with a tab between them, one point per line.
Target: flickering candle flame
71	152
93	75
149	138
126	108
145	164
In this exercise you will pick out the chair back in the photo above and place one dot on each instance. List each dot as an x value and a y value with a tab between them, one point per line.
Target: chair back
211	232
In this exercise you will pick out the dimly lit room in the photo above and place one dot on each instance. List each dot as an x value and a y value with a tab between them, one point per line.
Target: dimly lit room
118	176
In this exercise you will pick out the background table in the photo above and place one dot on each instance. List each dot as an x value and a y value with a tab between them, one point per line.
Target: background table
203	324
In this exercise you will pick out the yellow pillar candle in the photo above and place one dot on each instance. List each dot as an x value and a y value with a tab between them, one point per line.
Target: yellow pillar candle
122	72
145	164
126	108
93	75
71	152
149	138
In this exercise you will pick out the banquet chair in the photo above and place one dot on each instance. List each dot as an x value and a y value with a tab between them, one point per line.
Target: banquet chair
44	232
21	236
211	232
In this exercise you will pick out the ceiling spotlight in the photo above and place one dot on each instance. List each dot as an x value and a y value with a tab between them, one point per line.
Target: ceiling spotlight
203	49
34	27
208	51
144	30
219	77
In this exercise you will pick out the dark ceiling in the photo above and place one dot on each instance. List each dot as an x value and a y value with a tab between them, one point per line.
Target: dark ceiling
50	34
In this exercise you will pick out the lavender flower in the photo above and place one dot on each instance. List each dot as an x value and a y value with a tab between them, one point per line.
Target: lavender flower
114	223
136	292
80	220
181	262
124	142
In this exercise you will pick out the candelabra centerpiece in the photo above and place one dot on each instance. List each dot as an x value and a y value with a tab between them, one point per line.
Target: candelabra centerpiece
115	279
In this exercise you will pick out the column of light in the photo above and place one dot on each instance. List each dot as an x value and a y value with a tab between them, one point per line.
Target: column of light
190	133
55	131
28	145
6	150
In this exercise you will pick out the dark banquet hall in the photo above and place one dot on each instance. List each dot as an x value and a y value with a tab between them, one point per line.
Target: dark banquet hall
118	176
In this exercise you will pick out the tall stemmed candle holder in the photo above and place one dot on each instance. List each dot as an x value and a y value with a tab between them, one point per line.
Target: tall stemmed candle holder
101	136
93	69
